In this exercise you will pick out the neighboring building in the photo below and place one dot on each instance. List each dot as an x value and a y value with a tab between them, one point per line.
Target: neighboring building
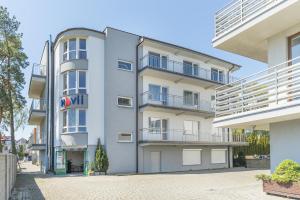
267	31
149	102
6	142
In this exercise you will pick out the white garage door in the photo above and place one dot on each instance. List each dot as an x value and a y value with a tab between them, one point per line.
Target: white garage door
191	156
218	156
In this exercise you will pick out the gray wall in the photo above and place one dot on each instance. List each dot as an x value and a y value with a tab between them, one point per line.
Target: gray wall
119	45
171	158
8	171
285	142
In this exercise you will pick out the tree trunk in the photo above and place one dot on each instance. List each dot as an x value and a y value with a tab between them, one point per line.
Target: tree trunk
11	113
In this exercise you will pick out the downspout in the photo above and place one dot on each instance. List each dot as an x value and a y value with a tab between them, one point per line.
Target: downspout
137	106
51	103
47	111
229	73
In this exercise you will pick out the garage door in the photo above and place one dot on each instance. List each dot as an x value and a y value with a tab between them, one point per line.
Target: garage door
191	156
218	156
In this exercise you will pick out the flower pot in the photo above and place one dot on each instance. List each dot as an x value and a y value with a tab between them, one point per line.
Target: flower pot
290	190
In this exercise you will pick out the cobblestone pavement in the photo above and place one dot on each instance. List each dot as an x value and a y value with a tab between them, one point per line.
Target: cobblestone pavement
230	184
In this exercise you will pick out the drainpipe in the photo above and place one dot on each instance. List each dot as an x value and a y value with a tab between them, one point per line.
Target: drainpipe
137	106
47	110
51	104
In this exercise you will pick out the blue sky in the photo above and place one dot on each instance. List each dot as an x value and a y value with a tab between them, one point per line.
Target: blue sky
188	23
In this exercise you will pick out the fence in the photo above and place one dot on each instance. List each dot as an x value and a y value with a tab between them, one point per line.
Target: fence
8	171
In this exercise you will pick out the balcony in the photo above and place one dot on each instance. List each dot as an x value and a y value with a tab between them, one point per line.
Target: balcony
266	97
37	81
37	140
182	137
243	26
180	72
37	111
176	104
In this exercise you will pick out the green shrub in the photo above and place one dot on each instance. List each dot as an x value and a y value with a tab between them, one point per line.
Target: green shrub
101	159
263	177
286	172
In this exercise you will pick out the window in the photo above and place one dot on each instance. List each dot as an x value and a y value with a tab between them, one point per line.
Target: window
82	49
74	120
74	49
217	75
164	62
74	82
157	125
154	60
124	65
294	48
188	98
125	101
124	137
154	92
191	127
191	156
218	156
195	70
187	68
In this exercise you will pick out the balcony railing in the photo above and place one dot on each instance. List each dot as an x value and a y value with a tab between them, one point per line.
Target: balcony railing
38	105
276	86
186	136
240	11
184	69
38	69
177	101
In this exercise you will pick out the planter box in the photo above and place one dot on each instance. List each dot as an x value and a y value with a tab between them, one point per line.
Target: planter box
291	190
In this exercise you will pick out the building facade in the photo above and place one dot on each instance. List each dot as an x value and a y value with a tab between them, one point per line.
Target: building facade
150	103
267	31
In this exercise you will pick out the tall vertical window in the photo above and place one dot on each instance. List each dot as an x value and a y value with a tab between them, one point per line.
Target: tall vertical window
154	60
82	49
188	98
294	48
164	62
154	92
74	82
74	120
187	68
217	75
74	49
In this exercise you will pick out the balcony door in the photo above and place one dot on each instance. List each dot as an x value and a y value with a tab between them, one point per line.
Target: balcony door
154	60
159	127
191	99
294	56
187	68
158	93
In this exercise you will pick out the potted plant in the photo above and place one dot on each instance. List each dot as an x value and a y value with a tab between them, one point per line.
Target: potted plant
91	170
284	181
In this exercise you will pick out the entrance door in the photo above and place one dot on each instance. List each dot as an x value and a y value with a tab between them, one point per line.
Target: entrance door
155	162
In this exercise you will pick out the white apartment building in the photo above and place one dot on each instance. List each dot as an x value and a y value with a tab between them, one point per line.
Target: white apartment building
150	103
267	31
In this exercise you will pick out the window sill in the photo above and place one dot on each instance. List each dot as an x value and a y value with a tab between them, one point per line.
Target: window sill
71	133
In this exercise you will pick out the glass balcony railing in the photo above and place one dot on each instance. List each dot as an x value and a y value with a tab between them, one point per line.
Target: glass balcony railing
177	101
38	105
187	69
39	70
184	136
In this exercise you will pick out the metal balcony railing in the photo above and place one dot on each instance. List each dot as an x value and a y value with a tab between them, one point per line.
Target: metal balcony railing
38	69
241	11
177	101
38	104
276	86
184	69
186	136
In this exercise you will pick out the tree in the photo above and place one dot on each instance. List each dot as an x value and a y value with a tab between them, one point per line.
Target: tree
21	152
12	61
101	159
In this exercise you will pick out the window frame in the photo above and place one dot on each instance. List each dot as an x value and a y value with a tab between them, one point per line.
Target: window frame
124	97
125	141
66	127
66	54
66	91
126	62
191	164
218	71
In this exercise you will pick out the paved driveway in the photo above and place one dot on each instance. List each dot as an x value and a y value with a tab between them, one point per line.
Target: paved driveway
204	185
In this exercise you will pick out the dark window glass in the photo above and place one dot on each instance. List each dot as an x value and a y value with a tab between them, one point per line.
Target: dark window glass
187	68
196	70
72	49
82	118
82	44
154	92
82	79
188	98
164	62
82	54
124	101
124	65
214	74
154	60
221	77
72	79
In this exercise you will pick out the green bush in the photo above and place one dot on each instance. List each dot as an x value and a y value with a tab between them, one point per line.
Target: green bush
101	159
286	172
263	177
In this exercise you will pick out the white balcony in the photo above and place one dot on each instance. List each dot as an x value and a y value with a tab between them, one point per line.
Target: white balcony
37	81
176	104
37	111
266	97
182	137
243	26
181	72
